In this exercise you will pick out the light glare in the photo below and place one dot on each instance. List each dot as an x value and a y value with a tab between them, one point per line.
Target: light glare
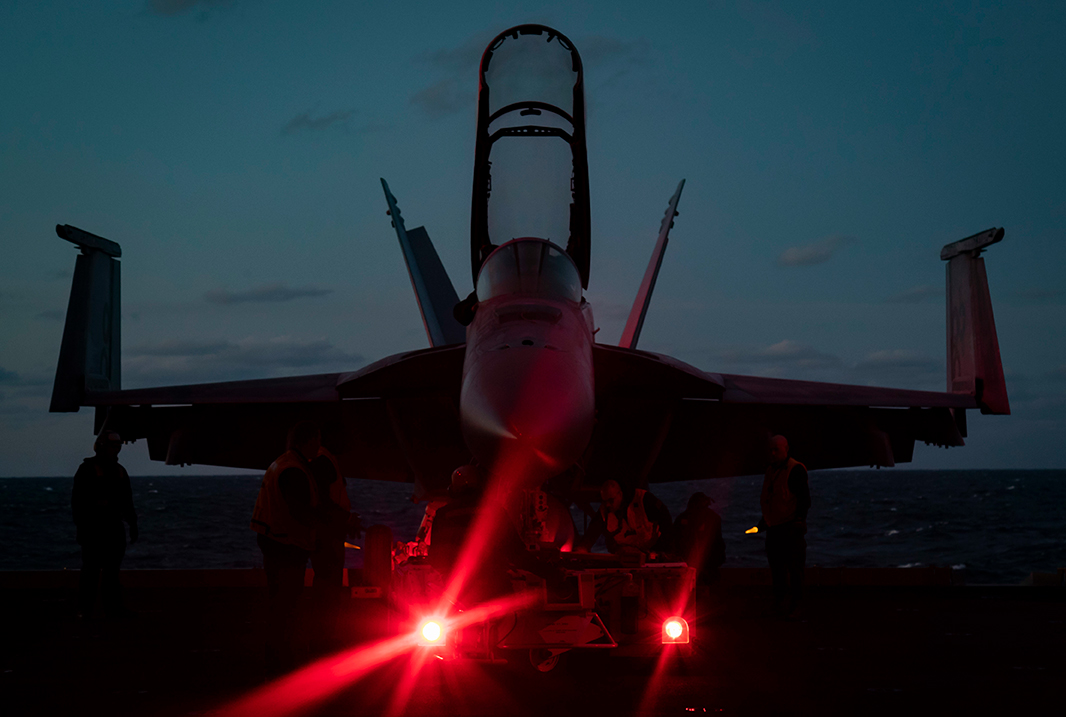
673	629
431	631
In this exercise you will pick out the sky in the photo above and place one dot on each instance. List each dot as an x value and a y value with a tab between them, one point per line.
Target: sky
234	149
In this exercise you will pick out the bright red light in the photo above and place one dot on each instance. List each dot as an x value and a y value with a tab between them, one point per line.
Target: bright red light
675	631
431	631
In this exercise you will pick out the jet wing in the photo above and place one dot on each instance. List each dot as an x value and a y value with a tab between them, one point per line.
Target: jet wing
697	425
370	418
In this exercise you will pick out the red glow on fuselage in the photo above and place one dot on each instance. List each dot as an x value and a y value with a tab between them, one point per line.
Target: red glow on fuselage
527	392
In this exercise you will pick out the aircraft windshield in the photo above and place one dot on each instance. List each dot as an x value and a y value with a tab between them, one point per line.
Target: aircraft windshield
529	266
530	78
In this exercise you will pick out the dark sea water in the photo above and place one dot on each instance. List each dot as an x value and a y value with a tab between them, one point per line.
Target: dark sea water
997	525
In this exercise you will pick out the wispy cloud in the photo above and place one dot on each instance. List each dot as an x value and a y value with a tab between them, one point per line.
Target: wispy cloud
444	98
917	294
899	368
783	358
185	361
463	59
814	253
304	122
266	293
604	49
902	368
8	378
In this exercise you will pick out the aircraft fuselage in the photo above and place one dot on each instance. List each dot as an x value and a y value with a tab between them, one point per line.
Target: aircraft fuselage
527	403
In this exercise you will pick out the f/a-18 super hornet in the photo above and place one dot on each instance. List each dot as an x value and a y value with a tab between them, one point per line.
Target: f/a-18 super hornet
514	379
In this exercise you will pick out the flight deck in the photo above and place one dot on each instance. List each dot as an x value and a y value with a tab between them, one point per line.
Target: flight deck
889	641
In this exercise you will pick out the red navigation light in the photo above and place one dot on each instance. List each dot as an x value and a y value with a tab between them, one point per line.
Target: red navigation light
431	632
675	631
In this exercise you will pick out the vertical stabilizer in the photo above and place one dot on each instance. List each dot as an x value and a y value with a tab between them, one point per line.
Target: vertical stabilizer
635	322
974	365
90	356
433	289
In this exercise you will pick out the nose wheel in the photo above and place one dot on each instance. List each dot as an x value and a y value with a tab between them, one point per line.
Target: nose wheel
545	660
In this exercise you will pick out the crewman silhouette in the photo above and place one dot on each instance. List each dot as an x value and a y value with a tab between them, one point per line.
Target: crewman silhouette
101	501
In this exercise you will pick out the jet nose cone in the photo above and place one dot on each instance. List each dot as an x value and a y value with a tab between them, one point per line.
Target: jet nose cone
528	412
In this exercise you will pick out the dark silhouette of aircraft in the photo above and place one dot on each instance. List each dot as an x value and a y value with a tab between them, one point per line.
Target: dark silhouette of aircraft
513	378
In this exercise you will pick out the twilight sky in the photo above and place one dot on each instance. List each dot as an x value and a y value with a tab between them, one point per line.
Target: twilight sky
233	149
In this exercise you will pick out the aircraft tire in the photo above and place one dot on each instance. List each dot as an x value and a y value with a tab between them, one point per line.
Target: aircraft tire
543	661
377	556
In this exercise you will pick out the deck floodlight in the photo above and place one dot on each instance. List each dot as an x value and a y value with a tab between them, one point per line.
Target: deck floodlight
675	631
431	632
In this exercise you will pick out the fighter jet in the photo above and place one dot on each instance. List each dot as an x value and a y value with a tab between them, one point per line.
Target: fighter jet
514	378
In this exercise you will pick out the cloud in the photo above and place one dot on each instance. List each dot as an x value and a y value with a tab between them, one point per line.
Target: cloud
462	60
898	368
9	378
783	358
191	361
52	315
266	293
901	368
1058	374
444	98
602	50
917	294
815	252
303	122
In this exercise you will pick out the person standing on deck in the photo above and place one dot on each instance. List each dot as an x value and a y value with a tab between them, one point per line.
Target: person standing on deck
785	499
101	501
327	558
286	518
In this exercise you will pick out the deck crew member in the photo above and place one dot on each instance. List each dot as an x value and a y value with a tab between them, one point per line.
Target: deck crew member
497	549
327	558
101	501
785	499
638	521
286	517
698	536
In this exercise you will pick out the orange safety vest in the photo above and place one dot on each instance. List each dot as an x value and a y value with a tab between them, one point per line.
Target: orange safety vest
338	489
778	502
637	531
271	516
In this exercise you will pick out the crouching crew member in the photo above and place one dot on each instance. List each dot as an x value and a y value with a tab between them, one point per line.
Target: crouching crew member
478	561
286	517
638	521
785	499
698	532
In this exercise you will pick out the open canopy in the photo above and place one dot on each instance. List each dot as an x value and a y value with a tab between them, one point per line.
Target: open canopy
531	165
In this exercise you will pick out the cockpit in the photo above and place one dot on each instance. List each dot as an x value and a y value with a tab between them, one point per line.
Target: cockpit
531	166
532	267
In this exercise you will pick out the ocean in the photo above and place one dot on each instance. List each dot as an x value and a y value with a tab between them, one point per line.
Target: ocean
997	526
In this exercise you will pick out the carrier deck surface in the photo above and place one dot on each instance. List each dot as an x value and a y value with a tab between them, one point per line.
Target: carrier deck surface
880	642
